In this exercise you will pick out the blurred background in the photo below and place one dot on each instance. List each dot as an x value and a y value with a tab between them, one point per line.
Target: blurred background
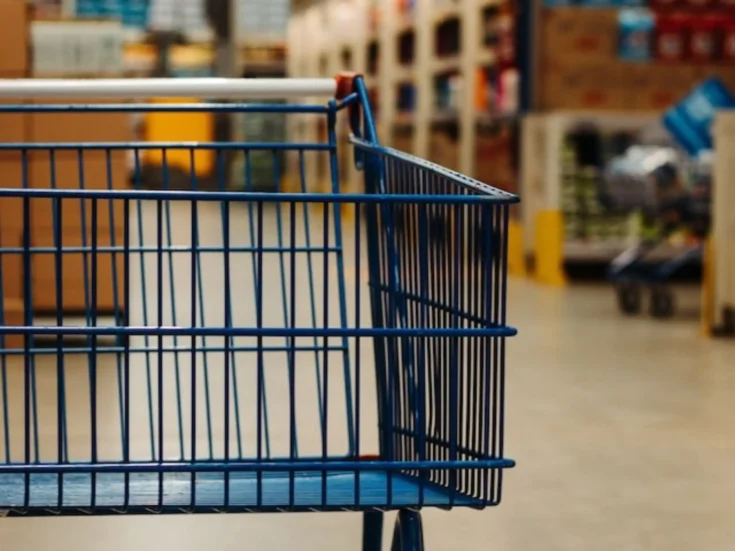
586	108
614	120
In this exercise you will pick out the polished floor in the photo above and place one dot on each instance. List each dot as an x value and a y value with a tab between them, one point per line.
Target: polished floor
623	431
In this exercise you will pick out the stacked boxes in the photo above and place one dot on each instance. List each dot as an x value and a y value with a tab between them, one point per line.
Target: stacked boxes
579	67
69	169
13	64
92	169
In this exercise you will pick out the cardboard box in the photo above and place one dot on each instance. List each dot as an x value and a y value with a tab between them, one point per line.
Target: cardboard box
77	296
574	36
94	172
725	72
597	87
656	87
13	126
12	265
13	316
11	208
14	43
68	169
79	127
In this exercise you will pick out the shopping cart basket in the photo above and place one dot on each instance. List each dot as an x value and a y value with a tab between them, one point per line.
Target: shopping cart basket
255	352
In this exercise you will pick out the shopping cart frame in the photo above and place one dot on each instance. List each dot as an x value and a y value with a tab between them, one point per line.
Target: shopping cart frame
397	184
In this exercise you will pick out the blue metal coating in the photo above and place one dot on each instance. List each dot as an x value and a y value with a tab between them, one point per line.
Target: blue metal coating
229	342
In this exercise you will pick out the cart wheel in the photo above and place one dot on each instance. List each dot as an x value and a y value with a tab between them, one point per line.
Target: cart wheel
662	303
630	299
408	534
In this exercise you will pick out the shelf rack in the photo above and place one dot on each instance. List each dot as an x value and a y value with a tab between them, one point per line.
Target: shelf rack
321	31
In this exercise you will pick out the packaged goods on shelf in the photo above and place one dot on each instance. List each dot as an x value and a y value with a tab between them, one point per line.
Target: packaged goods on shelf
670	37
703	38
636	34
728	41
448	91
77	48
13	39
690	121
406	97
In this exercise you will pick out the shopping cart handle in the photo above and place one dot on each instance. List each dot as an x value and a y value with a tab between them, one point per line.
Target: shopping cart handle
147	88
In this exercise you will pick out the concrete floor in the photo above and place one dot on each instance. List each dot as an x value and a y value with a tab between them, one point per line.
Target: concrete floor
623	430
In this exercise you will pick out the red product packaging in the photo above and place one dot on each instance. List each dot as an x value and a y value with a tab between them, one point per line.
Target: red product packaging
699	4
670	38
703	37
727	50
665	4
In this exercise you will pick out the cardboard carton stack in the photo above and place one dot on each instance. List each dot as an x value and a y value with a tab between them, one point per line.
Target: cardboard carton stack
579	67
71	169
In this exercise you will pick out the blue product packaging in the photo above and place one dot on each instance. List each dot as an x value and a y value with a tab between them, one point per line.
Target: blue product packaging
596	3
636	28
690	121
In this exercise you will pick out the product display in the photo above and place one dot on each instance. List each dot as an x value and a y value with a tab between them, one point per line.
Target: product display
690	121
701	37
586	217
670	38
636	34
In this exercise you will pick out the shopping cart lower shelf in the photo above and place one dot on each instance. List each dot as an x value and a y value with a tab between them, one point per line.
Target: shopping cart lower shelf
206	493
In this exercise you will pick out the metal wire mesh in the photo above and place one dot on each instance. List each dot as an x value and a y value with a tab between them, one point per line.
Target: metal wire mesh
231	367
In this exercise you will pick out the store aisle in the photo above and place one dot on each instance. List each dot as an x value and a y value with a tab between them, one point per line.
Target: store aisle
622	429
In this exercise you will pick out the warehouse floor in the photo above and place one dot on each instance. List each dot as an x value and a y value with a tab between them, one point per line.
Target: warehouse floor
622	430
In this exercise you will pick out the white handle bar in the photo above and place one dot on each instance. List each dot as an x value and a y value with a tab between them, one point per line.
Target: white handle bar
147	88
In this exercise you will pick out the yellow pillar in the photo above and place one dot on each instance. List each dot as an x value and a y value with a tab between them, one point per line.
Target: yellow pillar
516	253
180	127
549	247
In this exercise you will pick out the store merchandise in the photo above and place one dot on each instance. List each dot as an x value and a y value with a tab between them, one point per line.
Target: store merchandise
703	38
728	41
636	34
508	92
690	120
132	13
700	4
670	37
406	100
586	217
448	91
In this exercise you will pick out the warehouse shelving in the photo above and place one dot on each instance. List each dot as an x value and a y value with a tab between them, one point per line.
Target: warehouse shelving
260	30
319	30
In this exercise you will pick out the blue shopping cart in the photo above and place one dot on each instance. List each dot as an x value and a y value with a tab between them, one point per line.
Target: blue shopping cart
244	351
